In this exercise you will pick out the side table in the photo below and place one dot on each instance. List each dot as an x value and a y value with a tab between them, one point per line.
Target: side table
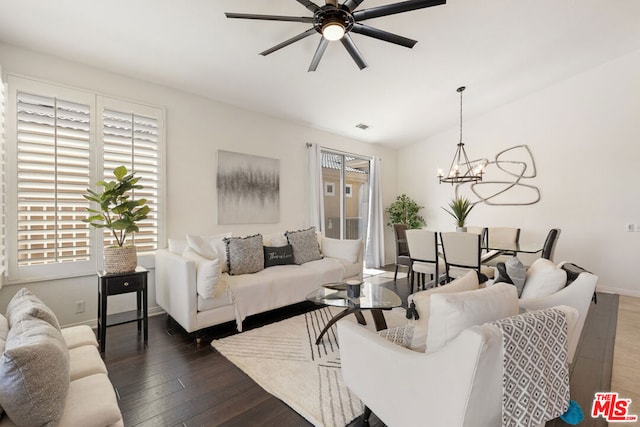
116	284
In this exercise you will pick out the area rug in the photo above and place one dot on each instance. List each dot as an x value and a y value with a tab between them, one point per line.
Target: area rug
284	360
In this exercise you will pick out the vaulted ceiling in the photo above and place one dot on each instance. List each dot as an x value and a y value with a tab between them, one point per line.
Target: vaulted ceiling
501	50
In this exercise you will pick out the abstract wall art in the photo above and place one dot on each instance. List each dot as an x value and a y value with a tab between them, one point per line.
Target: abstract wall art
248	189
506	181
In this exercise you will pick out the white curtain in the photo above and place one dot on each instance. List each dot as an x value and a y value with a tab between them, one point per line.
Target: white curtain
374	256
316	194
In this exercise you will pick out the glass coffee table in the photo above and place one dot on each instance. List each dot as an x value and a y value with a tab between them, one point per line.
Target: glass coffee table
372	297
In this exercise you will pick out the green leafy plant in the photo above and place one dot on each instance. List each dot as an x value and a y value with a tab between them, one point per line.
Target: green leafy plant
405	211
460	209
118	212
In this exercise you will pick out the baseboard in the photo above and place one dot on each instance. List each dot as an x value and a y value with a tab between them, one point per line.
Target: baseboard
93	323
620	291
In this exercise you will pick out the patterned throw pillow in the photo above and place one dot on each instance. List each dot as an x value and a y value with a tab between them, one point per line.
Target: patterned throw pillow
244	254
305	245
278	255
517	273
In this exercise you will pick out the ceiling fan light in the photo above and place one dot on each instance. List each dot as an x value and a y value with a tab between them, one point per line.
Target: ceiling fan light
333	31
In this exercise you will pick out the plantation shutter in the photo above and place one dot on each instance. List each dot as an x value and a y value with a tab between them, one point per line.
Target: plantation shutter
3	199
53	172
132	140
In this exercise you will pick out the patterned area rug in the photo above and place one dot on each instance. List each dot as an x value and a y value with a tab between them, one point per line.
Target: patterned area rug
284	360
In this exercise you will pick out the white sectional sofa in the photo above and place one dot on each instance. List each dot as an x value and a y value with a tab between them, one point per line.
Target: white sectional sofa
180	290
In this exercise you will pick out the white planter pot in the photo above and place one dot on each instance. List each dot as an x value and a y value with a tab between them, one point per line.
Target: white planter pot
120	259
461	229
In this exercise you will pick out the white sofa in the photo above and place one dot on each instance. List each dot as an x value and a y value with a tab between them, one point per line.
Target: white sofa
51	376
239	296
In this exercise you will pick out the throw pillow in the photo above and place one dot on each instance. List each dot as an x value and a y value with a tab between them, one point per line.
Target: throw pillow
34	373
25	305
278	255
451	313
177	246
422	301
543	278
305	245
4	332
502	274
347	250
401	335
207	273
210	247
245	254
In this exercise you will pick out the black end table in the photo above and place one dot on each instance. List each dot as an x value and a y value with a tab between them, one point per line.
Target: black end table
116	284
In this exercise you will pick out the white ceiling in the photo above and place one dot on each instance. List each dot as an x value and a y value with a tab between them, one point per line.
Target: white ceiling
500	49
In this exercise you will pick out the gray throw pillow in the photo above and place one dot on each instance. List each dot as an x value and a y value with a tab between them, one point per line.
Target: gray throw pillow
305	245
244	254
25	305
517	273
34	373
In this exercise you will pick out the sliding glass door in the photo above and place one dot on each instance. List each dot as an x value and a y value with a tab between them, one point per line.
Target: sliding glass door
345	182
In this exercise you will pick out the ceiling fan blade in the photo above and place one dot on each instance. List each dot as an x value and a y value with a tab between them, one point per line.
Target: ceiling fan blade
352	4
305	19
383	35
353	51
322	46
391	9
309	5
289	41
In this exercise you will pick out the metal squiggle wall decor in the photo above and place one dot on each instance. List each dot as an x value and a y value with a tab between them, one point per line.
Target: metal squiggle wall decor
502	185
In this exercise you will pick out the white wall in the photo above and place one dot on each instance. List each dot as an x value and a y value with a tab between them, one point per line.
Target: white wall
584	134
196	128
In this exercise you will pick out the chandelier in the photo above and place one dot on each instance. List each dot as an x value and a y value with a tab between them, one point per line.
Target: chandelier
461	170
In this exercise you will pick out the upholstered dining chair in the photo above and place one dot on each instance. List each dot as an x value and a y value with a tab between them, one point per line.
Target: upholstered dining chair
423	250
402	249
462	252
499	235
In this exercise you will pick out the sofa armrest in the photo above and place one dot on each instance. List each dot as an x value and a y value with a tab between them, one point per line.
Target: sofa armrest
421	384
176	289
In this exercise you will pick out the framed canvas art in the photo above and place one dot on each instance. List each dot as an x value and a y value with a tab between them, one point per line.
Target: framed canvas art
248	189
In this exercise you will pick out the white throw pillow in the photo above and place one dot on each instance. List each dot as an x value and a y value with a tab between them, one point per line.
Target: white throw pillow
347	250
543	278
207	273
177	246
422	300
275	240
210	247
451	313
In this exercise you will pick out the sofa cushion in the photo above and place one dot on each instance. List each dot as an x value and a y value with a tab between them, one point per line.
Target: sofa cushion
347	250
207	273
79	335
91	402
274	239
25	305
34	373
278	255
4	332
305	245
84	361
245	254
543	278
422	301
451	313
210	247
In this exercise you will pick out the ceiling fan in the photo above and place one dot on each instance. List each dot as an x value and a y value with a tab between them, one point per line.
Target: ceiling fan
335	21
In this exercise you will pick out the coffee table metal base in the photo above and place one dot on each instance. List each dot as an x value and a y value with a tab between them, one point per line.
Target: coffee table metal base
376	313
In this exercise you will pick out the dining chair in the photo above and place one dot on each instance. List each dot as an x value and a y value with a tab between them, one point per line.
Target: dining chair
423	250
462	253
402	249
482	231
495	236
549	247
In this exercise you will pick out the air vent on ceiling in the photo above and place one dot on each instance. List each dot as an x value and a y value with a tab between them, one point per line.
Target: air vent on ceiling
362	126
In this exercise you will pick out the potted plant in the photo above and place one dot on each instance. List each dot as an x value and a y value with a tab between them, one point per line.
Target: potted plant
405	211
460	209
120	214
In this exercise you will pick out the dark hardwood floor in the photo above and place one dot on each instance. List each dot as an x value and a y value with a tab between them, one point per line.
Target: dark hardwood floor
177	382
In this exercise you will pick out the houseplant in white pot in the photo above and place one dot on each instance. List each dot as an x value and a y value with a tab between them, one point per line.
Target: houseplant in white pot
120	214
460	209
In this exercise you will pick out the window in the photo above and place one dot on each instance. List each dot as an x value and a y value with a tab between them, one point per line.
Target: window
59	141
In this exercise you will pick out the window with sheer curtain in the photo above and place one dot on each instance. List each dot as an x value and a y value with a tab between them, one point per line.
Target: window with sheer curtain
61	139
